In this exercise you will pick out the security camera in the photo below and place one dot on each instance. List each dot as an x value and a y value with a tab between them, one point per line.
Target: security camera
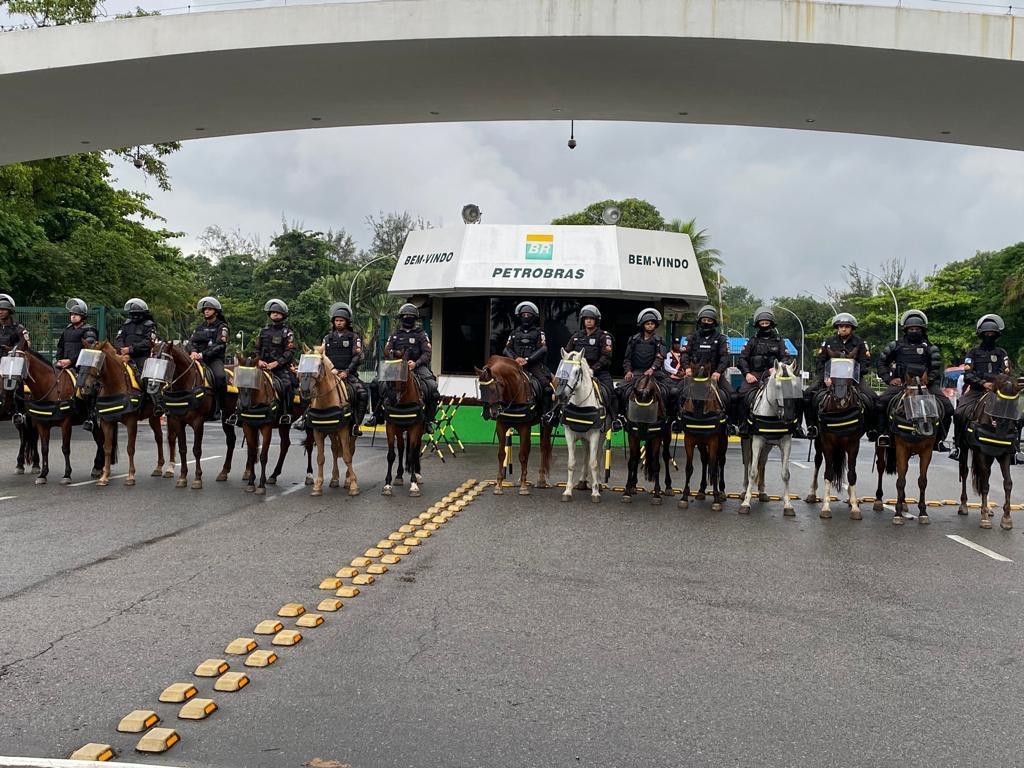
137	162
572	143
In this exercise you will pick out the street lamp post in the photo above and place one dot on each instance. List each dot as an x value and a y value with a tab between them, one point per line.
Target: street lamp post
359	272
819	297
241	339
892	293
803	357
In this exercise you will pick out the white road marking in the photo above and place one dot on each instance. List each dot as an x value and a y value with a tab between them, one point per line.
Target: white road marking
294	488
978	548
892	509
800	464
116	477
44	762
6	498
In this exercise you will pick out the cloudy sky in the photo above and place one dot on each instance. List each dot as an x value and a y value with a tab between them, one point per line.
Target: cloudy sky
784	207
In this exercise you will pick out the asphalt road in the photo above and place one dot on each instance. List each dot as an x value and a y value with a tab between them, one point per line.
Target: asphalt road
523	632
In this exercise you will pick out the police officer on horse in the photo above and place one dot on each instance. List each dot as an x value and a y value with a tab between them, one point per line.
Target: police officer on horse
982	364
528	346
344	348
209	344
644	355
412	344
596	346
11	331
76	335
136	338
275	349
844	343
757	357
706	346
912	352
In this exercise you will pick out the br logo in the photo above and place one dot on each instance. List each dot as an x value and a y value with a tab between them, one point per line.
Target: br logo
540	247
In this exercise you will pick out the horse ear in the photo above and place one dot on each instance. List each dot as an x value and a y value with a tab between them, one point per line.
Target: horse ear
479	371
563	352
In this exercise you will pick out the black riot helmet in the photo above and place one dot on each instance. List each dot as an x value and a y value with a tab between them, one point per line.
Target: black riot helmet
589	310
276	305
648	314
136	309
527	313
407	315
844	318
76	306
990	324
341	309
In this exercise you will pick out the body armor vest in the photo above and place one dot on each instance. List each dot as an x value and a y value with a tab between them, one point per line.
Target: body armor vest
408	343
643	352
70	342
274	343
11	334
210	337
341	347
591	346
765	352
137	337
985	364
524	342
703	350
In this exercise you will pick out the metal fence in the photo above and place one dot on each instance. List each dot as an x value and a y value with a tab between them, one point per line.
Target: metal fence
45	325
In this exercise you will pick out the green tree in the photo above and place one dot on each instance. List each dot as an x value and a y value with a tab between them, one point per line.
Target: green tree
637	214
298	258
738	305
708	259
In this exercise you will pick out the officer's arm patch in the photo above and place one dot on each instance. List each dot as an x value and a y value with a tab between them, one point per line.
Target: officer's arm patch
223	334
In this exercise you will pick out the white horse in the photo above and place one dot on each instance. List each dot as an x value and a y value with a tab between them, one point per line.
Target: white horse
583	417
773	412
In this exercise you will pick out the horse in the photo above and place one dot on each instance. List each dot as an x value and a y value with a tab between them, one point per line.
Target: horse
404	423
648	425
705	429
28	438
772	419
105	375
842	423
508	397
912	434
330	415
990	431
583	416
258	406
185	390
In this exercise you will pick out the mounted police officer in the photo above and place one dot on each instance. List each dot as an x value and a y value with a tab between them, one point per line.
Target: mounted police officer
11	331
757	357
136	338
344	348
76	335
982	364
209	344
528	346
412	344
706	346
645	354
846	344
275	348
596	346
910	355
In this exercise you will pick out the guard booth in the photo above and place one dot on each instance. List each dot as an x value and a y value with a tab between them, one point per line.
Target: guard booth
468	279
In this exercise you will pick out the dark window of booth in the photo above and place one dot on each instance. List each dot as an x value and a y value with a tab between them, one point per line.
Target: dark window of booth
464	335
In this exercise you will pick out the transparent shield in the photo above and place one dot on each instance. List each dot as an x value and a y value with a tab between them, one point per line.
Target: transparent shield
393	370
12	366
90	358
247	377
843	368
567	369
696	389
642	413
1000	406
788	387
158	369
917	407
309	364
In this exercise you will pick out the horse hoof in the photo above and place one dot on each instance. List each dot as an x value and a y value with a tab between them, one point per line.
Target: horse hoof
19	471
1006	524
825	514
810	498
627	499
353	491
222	477
40	481
197	485
923	520
399	481
986	523
35	469
524	491
102	483
317	492
877	506
855	514
656	500
334	484
95	472
565	497
595	499
700	496
249	489
762	497
415	493
169	473
716	507
271	480
261	491
386	491
309	480
744	509
898	520
245	476
181	483
962	511
156	473
65	481
543	484
129	481
498	490
684	504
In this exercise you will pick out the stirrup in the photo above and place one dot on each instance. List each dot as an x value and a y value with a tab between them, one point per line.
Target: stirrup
954	455
812	432
18	419
216	415
88	425
883	441
232	419
299	423
285	420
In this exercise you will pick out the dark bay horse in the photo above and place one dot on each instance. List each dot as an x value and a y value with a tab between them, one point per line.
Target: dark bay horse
105	375
12	390
913	418
330	416
990	432
259	405
648	426
509	399
705	429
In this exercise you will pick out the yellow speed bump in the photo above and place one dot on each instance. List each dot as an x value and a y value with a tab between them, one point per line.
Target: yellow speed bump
346	573
406	529
177	693
158	740
136	722
411	542
241	645
212	668
377	570
422	534
291	610
231	681
373	552
391	559
951	502
347	592
438	519
361	562
934	503
402	549
330	604
396	536
431	527
268	627
385	544
424	516
287	637
197	709
309	620
100	753
330	583
261	659
362	579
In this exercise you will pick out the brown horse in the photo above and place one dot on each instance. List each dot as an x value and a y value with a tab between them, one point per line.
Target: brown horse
508	398
705	429
11	393
330	415
403	414
647	425
258	413
990	431
105	376
914	416
184	388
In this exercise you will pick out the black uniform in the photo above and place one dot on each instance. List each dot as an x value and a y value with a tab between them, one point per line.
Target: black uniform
414	344
210	339
902	356
596	347
345	351
73	339
642	353
276	344
12	332
530	343
982	363
853	347
139	336
758	355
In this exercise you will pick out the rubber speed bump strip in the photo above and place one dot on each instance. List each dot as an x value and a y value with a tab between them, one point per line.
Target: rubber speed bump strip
197	709
411	542
401	549
431	527
372	552
391	559
177	693
347	572
137	721
99	753
422	534
309	620
376	570
290	610
385	544
241	646
361	562
396	536
330	583
158	740
231	681
212	668
348	592
261	659
406	529
287	637
268	627
363	579
330	604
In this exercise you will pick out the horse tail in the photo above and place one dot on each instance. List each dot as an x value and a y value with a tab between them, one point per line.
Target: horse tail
890	459
835	465
651	462
976	468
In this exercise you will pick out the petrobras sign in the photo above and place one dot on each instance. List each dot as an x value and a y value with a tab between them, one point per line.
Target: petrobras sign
496	259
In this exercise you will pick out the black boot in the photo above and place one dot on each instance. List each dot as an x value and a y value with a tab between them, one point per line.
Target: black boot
218	405
362	401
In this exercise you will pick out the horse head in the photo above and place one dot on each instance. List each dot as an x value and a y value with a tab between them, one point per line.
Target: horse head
1001	406
573	380
780	391
97	368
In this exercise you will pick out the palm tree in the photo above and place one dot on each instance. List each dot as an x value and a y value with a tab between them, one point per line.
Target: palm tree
708	259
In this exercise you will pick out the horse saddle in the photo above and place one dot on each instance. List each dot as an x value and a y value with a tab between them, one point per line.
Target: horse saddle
900	425
843	422
991	440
